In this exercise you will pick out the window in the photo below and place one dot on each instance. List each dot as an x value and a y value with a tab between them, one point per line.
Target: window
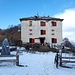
53	23
43	23
30	31
43	32
52	32
30	23
32	40
54	40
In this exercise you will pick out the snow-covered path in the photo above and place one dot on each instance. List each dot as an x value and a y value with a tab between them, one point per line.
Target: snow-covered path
35	64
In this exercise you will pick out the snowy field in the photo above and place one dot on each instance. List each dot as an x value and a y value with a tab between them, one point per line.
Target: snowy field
35	64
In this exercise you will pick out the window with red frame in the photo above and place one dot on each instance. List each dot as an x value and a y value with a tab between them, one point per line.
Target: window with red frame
30	23
54	24
54	40
32	40
43	23
43	32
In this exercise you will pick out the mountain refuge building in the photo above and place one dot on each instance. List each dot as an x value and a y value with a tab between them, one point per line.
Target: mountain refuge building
41	30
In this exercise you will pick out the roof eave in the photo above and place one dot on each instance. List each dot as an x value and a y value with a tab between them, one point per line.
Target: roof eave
22	19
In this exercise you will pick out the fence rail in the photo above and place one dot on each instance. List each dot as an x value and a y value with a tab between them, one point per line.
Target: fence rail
16	59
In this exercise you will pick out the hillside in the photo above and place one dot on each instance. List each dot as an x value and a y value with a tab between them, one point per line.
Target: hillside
12	32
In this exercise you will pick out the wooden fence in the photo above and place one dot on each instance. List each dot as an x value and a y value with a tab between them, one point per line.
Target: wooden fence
66	60
16	59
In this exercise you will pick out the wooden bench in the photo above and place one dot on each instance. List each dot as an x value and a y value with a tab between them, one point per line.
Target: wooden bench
16	59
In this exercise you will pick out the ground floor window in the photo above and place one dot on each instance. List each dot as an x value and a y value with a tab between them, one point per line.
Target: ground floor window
32	40
54	40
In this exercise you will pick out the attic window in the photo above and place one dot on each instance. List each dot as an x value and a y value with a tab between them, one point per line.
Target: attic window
43	23
54	23
30	23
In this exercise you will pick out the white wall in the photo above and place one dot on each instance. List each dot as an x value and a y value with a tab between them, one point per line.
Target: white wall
36	31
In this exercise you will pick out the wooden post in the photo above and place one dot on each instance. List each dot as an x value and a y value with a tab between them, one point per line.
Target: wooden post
17	58
60	56
60	60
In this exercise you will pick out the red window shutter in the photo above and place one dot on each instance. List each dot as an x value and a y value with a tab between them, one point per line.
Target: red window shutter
54	23
44	31
55	40
32	40
43	23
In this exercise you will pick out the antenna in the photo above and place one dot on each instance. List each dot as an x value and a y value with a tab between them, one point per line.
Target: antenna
37	14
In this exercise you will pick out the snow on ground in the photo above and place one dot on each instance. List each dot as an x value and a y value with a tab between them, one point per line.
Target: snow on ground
35	64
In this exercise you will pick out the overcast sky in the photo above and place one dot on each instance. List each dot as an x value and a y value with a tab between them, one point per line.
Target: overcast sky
12	10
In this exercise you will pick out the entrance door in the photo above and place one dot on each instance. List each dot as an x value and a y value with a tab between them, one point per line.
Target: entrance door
42	40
